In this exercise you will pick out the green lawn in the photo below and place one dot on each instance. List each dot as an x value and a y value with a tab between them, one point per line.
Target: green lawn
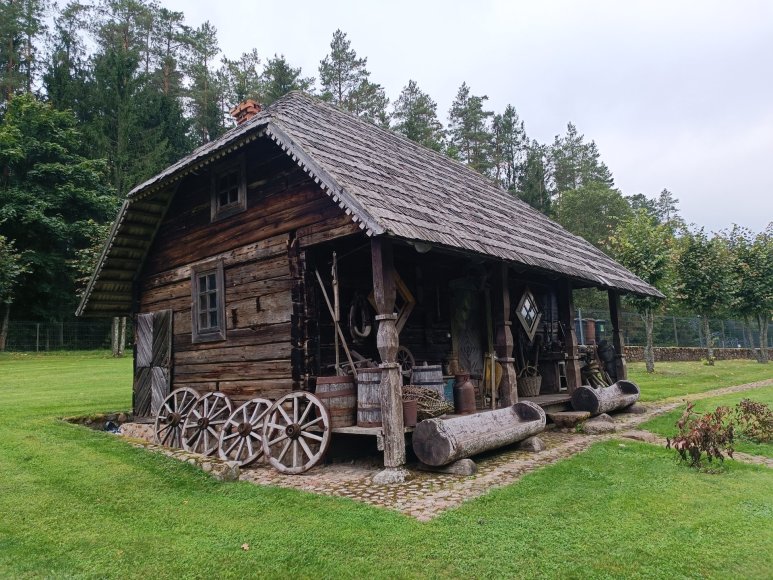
75	502
685	378
665	424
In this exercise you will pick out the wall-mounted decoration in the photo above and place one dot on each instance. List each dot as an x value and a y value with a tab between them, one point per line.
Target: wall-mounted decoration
529	313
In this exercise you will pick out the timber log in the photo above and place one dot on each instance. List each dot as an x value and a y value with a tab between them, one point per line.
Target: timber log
605	399
442	441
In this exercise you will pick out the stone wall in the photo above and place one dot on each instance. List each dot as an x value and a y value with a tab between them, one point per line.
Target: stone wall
678	353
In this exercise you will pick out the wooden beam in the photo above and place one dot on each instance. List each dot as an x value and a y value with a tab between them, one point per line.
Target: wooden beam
503	335
387	341
566	318
621	368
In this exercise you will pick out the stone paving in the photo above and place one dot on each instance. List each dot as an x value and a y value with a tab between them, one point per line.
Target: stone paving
426	494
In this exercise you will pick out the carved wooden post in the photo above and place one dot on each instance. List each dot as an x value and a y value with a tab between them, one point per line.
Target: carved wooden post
621	367
503	336
566	316
387	341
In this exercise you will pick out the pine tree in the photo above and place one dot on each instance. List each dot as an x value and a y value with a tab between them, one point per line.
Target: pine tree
532	180
21	27
469	135
510	148
415	114
576	163
205	93
242	79
66	70
279	78
345	82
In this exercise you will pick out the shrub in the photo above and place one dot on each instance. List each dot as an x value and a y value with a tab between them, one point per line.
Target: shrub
708	436
754	421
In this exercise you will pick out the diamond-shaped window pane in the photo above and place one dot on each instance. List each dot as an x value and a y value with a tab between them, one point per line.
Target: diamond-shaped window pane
528	313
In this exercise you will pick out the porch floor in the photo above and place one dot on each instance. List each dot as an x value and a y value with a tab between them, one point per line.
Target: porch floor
550	403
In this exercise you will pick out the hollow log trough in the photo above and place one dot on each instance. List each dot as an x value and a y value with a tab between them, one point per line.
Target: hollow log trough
439	442
617	396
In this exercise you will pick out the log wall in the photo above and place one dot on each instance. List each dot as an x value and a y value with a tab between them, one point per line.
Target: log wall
260	356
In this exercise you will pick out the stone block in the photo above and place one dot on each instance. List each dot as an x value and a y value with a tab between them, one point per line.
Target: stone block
636	409
532	444
568	419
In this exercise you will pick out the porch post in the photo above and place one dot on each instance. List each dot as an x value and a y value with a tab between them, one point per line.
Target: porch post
621	368
503	335
388	341
566	316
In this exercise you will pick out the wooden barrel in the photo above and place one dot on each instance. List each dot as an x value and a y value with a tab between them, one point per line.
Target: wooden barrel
369	398
339	395
429	377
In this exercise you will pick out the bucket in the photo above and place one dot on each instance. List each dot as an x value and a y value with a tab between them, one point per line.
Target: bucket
410	407
339	395
369	398
429	377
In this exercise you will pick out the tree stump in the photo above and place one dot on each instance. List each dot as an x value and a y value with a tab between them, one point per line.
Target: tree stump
442	441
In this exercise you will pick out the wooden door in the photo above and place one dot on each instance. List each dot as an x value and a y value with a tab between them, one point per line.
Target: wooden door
152	361
468	326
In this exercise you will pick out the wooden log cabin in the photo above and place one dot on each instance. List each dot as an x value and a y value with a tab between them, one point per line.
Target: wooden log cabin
219	258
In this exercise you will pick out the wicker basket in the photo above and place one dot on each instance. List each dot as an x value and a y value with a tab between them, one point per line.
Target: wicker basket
529	386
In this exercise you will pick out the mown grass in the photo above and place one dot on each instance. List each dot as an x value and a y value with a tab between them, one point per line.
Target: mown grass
76	502
677	379
666	424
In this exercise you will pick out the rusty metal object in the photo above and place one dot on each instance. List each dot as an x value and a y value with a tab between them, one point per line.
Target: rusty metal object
464	395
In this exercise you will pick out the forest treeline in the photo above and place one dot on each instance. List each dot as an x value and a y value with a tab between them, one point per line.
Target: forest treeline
97	96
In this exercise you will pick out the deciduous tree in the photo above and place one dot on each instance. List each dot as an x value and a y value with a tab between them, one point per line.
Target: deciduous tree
645	247
703	278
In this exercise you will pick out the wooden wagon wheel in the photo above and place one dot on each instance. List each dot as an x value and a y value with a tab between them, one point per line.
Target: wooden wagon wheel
296	434
406	361
241	439
201	432
168	428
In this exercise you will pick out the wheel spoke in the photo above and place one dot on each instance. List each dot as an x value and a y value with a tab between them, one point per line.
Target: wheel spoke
166	437
230	436
311	436
284	450
306	412
231	447
285	415
249	447
239	450
295	409
313	422
295	453
306	448
282	437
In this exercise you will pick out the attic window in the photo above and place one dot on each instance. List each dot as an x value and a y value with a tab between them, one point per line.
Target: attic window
229	189
208	308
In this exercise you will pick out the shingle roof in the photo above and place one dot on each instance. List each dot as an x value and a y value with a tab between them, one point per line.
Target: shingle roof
393	186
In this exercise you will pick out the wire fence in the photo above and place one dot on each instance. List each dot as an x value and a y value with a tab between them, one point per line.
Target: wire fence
590	326
685	331
76	334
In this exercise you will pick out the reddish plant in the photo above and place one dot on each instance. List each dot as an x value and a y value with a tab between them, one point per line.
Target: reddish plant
754	420
708	436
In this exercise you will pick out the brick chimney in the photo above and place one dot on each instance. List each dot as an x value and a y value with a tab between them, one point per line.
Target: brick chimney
245	111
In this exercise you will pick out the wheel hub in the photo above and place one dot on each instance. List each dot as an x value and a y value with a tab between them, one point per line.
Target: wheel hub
244	429
203	423
175	419
293	431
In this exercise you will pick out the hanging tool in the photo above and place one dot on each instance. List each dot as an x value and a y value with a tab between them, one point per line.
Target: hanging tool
339	332
336	306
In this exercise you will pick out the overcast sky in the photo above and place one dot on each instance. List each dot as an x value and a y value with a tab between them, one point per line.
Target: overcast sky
676	94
